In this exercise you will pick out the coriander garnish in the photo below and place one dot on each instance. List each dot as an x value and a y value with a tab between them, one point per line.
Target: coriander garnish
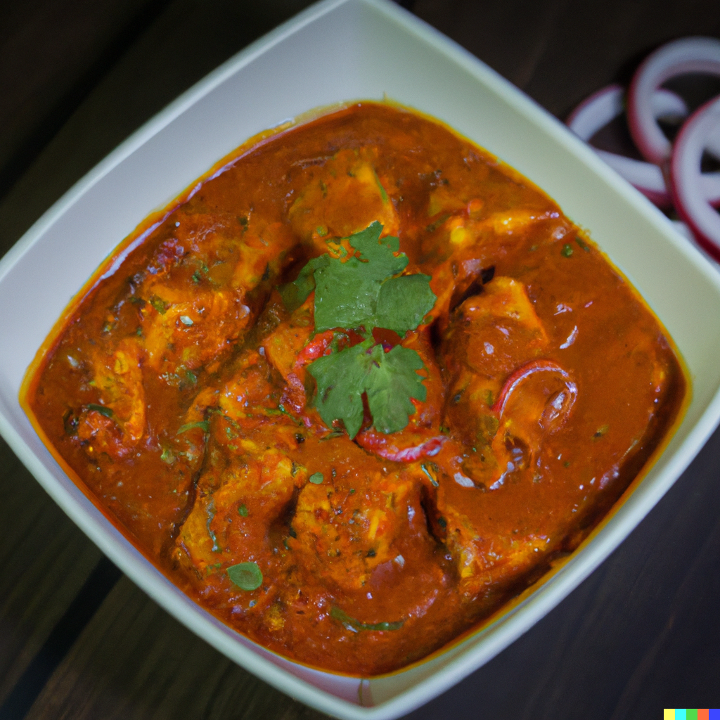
246	575
362	291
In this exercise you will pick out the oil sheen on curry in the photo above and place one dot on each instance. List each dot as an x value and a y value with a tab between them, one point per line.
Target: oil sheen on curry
358	390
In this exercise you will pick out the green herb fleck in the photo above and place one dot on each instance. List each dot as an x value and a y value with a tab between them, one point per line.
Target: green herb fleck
350	623
213	567
435	224
106	411
602	430
246	575
582	244
167	455
159	304
242	510
316	478
204	425
567	250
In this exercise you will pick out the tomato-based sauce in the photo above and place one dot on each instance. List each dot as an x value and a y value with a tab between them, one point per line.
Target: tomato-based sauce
352	456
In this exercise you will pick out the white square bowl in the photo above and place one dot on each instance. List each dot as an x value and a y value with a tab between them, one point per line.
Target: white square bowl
335	51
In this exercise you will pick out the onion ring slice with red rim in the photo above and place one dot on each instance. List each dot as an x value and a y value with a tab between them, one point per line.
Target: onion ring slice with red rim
680	57
605	105
602	108
519	376
701	131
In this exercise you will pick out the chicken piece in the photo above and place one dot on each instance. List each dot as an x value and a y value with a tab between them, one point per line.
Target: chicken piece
421	437
248	485
201	288
186	329
502	399
116	423
249	396
349	523
463	244
240	405
284	349
263	250
493	332
344	197
486	559
344	535
239	510
248	471
221	250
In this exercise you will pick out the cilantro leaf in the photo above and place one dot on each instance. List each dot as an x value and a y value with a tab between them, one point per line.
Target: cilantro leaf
340	379
294	294
344	297
355	625
377	256
403	302
392	381
389	379
362	292
246	575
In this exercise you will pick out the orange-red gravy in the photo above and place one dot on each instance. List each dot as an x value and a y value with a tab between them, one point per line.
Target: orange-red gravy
175	393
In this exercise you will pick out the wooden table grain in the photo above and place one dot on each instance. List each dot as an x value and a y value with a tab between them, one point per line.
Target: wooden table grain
79	640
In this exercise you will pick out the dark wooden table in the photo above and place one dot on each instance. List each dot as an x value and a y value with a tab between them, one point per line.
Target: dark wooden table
79	640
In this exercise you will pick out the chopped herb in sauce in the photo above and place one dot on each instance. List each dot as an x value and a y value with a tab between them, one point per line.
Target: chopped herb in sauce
106	411
204	425
246	575
354	625
361	292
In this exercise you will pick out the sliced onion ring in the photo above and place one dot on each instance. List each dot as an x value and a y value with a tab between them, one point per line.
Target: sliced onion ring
688	55
519	376
701	131
604	106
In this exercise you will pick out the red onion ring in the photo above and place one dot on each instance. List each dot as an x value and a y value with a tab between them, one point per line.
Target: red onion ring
518	377
689	55
604	106
701	131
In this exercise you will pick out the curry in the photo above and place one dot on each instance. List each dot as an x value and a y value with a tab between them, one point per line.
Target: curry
357	390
